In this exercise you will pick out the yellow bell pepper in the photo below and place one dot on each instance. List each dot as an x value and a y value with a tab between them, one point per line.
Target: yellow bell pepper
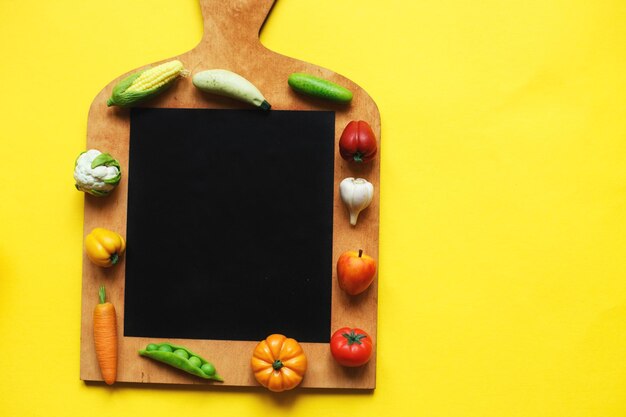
104	247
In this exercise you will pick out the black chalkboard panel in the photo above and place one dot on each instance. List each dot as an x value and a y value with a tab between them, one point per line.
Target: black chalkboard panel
229	224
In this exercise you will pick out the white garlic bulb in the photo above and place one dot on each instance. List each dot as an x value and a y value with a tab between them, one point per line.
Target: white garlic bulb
356	194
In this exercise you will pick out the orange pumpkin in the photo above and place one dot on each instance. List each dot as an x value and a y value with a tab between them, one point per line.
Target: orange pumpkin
278	363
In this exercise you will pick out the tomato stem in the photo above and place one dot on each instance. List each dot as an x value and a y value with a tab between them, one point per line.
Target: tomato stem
354	338
277	365
358	157
114	258
360	252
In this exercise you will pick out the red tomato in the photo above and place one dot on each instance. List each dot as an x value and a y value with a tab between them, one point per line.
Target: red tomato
351	347
358	142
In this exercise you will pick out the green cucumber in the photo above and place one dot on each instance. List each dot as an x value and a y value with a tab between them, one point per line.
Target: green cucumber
319	87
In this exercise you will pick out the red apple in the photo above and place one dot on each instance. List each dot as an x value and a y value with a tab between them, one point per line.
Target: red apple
355	271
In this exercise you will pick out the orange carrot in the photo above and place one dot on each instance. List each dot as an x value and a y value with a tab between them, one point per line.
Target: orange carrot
105	337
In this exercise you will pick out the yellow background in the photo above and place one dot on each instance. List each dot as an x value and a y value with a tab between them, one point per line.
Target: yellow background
503	200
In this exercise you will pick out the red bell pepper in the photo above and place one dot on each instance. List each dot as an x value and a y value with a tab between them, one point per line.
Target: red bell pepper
358	142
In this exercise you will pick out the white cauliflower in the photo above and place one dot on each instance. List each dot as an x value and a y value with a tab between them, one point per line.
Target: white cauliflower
96	173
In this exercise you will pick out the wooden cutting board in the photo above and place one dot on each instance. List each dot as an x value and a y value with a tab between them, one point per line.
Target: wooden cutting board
231	41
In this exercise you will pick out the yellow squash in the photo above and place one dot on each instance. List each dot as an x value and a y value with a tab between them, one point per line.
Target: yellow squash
104	247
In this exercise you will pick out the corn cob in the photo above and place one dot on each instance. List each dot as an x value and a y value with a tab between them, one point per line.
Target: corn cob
145	84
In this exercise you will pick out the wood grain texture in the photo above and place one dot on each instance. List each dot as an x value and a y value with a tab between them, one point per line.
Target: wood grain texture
231	41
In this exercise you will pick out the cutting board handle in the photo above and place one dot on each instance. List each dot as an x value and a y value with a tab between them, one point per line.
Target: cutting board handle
234	21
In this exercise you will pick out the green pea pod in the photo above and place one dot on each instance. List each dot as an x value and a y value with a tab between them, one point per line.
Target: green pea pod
166	353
